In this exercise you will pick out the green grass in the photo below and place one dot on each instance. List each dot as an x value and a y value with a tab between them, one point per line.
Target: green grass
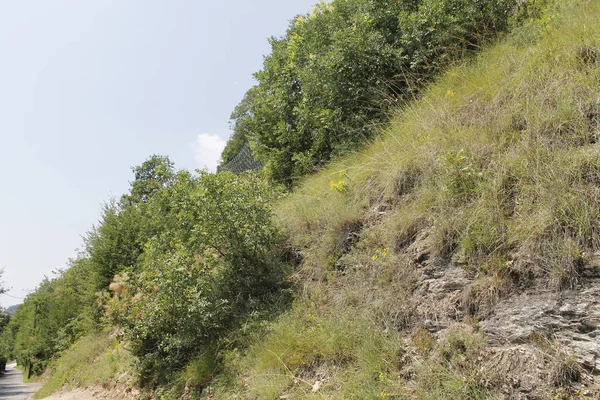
96	359
497	159
496	168
347	355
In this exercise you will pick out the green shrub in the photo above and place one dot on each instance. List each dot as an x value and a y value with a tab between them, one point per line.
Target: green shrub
329	82
215	261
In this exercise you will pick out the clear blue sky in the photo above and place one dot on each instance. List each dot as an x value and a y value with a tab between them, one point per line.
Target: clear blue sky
90	88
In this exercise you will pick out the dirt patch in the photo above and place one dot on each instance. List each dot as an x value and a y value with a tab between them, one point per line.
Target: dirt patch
96	393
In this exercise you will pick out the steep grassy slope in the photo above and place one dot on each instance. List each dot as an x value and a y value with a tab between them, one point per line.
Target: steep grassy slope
95	360
479	202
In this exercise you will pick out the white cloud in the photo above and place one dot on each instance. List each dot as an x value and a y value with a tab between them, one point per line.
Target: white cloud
208	150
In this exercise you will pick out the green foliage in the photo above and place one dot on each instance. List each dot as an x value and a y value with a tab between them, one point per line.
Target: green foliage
241	128
117	242
52	318
153	175
492	166
485	171
214	261
346	355
4	345
329	82
175	263
494	171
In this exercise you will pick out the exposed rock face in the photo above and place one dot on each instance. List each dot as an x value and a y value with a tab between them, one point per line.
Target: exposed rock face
571	318
531	333
439	296
440	287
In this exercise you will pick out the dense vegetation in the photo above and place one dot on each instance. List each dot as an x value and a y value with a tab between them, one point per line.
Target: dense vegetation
330	82
175	263
226	281
56	314
4	350
492	176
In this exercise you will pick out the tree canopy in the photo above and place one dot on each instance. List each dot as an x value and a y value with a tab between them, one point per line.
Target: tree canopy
330	81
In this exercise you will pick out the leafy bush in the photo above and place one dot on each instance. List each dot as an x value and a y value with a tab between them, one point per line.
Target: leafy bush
331	79
214	261
118	240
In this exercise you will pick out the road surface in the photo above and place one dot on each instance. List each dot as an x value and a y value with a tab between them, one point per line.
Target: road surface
12	386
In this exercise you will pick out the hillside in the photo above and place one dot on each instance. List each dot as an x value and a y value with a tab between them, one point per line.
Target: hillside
457	255
12	310
454	255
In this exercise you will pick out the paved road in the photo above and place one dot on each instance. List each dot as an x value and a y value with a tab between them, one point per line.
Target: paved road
12	386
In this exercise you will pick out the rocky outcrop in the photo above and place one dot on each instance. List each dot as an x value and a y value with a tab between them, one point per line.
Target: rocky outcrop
439	295
570	318
538	339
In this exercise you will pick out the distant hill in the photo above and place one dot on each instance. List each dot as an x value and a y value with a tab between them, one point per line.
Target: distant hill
12	309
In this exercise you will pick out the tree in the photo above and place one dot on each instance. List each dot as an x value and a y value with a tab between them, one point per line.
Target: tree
115	243
154	174
4	348
215	261
118	240
330	81
241	124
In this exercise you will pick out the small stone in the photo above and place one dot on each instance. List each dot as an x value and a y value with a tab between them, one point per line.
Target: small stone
316	386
